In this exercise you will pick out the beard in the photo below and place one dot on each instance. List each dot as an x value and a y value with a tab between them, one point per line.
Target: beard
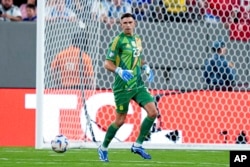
7	7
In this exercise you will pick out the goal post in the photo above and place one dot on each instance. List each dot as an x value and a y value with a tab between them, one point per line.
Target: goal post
74	95
40	50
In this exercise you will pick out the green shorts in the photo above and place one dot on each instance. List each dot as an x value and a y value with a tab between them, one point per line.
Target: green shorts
140	95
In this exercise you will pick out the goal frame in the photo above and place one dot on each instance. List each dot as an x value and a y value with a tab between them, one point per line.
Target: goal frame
39	142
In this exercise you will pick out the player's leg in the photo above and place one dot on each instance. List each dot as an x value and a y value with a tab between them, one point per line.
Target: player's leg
113	128
148	121
110	134
144	99
122	101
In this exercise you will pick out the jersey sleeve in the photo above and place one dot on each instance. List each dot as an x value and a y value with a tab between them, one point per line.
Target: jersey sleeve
113	49
54	63
88	69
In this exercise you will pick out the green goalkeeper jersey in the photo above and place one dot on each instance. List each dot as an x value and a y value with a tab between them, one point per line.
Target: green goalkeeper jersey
126	52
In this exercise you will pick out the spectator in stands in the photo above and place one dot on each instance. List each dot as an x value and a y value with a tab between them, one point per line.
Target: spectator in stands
239	29
140	9
77	6
23	8
31	13
99	9
114	11
72	68
219	10
157	11
195	9
244	15
218	72
74	5
233	18
176	10
234	15
9	12
56	10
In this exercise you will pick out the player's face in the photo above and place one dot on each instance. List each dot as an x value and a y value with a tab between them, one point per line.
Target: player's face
128	25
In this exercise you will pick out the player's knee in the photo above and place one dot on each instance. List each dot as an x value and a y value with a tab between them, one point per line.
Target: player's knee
119	123
152	113
120	119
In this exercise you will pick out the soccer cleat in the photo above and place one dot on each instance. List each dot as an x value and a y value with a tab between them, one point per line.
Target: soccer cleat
140	151
103	155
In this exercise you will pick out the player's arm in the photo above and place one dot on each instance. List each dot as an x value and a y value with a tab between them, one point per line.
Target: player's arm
88	70
125	75
54	64
12	18
110	60
55	70
109	65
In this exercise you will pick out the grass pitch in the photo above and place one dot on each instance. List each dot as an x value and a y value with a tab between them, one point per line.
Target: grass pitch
30	157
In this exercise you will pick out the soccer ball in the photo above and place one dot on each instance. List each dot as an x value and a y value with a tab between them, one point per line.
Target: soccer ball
60	144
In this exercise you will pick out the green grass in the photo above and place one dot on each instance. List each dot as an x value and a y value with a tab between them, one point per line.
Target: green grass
30	157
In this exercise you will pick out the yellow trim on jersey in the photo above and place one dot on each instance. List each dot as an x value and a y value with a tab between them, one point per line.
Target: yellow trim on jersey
117	61
135	62
114	44
138	43
139	47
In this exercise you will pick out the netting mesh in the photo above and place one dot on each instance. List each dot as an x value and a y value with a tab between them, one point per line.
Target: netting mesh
178	37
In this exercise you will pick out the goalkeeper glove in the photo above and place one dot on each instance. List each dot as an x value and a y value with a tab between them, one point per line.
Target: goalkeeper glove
125	75
149	72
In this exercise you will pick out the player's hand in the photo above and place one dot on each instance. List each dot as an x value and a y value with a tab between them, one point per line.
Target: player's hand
149	72
126	75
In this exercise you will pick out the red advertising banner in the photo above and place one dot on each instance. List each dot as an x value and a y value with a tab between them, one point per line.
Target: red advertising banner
198	117
17	124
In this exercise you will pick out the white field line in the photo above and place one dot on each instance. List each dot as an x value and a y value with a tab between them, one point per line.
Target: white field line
121	163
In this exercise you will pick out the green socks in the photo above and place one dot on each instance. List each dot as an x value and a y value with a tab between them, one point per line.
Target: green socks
145	127
112	129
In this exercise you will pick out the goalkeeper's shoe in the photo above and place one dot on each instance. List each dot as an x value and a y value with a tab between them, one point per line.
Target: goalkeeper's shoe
140	151
103	155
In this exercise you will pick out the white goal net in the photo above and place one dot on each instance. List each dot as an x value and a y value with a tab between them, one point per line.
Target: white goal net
74	96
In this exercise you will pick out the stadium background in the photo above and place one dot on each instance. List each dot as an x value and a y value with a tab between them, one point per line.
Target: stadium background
18	64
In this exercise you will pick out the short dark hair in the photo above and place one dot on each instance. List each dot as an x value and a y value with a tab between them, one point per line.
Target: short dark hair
127	15
31	6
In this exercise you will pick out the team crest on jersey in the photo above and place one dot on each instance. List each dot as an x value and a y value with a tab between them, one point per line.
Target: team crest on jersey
111	54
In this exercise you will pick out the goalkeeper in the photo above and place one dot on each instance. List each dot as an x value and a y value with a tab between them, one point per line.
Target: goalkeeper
124	58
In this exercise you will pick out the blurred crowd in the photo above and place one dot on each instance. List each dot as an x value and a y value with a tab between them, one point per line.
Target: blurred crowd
233	13
11	12
225	11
